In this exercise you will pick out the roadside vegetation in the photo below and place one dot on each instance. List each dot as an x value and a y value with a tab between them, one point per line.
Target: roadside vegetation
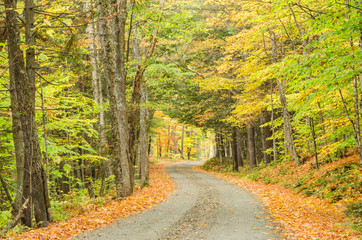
338	183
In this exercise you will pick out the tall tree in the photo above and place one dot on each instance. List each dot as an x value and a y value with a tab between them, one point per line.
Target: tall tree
108	66
34	184
118	24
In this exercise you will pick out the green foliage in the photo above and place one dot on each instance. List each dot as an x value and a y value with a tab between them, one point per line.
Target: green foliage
5	217
354	212
214	165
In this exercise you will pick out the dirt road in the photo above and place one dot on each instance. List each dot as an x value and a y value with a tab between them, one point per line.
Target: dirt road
202	207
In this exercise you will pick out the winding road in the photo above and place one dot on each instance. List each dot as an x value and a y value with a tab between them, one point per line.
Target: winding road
202	207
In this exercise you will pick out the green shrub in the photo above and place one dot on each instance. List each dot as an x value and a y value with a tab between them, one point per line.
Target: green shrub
354	209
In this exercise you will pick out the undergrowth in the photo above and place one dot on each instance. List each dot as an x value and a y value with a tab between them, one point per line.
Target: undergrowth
338	182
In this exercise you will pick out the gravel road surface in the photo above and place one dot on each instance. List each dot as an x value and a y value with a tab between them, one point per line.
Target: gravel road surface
202	207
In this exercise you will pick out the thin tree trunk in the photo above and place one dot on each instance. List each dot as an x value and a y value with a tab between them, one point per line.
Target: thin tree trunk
235	150
168	138
265	134
46	173
240	154
314	142
360	75
174	139
357	116
272	125
97	94
144	137
353	126
251	145
88	180
182	141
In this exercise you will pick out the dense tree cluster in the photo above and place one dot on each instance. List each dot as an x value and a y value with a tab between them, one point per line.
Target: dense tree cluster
282	79
85	87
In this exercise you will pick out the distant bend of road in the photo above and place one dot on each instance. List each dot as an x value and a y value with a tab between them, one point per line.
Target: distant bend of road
203	207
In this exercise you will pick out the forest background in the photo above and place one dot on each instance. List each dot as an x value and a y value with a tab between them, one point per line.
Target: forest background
91	90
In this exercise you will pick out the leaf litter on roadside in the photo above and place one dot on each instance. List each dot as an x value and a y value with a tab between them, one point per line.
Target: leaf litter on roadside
301	217
161	186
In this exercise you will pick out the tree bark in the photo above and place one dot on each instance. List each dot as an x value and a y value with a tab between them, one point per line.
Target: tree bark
119	41
18	74
265	134
174	139
24	78
288	132
144	137
17	131
182	141
251	145
272	125
235	150
239	146
314	142
108	65
357	116
97	95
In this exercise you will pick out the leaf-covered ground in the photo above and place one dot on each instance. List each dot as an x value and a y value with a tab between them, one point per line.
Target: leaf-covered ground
160	187
300	216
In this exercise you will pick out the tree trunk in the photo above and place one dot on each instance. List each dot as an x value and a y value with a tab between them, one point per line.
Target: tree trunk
288	132
357	116
142	64
174	139
182	141
235	150
239	148
17	134
108	65
17	74
168	138
24	79
88	180
97	95
220	147
144	137
265	134
314	142
251	145
118	33
272	125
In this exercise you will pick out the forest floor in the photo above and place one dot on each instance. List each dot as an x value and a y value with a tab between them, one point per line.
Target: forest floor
161	186
308	203
203	207
225	205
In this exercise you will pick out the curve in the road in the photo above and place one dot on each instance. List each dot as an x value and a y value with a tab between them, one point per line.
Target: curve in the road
203	207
